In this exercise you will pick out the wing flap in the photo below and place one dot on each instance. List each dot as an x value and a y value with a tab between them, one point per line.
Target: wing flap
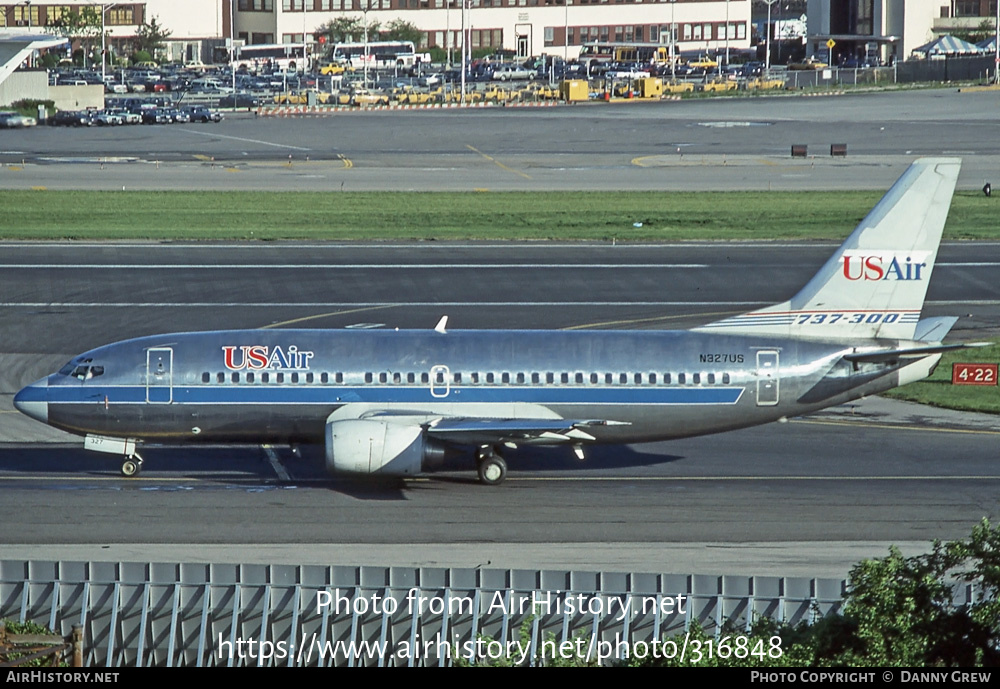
474	431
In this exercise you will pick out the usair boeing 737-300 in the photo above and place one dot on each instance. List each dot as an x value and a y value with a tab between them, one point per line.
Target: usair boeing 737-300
393	402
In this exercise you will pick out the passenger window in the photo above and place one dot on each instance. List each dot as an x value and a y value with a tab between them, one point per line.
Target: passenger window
475	377
638	379
410	378
594	378
666	379
711	379
206	377
564	378
397	378
696	378
680	379
279	378
623	378
265	377
382	377
579	378
457	378
490	379
609	379
725	379
339	377
295	377
520	379
368	377
505	378
250	376
235	377
550	378
220	377
652	379
536	378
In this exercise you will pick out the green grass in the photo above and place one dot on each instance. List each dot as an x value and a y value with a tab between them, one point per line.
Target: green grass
939	392
600	216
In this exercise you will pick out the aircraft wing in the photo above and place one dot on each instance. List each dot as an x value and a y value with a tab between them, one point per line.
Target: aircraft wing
476	431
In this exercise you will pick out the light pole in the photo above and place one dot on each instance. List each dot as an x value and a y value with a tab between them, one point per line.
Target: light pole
232	46
461	98
27	13
996	58
767	30
364	12
673	43
727	35
566	34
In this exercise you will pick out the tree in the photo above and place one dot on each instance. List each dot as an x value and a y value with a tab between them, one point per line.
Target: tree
83	26
343	30
151	37
400	30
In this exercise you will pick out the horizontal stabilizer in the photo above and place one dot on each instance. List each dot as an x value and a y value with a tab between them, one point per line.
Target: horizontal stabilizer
887	355
934	329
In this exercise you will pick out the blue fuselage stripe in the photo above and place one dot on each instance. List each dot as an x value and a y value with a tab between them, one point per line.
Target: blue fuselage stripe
261	394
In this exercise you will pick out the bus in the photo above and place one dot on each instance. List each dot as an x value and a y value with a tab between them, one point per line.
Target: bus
272	57
381	54
646	53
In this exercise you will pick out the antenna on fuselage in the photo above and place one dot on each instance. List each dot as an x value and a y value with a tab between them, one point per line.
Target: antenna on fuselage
442	324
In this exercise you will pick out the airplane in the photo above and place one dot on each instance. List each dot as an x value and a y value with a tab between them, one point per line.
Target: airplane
394	403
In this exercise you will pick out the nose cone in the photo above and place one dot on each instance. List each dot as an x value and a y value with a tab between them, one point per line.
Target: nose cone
34	400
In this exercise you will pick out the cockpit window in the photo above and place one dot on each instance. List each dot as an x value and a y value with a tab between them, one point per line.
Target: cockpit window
82	371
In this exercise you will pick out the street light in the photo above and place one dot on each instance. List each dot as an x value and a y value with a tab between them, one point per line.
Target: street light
104	39
27	13
767	52
673	43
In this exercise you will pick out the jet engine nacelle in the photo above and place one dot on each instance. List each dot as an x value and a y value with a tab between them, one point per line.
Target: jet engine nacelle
363	446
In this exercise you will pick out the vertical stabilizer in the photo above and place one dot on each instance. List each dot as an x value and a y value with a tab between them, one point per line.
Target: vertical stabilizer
874	285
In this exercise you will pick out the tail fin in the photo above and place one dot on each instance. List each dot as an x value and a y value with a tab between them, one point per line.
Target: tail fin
874	285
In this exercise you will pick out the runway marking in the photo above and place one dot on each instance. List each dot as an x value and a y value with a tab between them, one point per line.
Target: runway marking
276	464
896	427
323	315
213	477
250	141
392	304
646	320
349	266
496	162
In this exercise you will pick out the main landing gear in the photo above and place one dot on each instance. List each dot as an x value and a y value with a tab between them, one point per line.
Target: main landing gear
491	466
132	466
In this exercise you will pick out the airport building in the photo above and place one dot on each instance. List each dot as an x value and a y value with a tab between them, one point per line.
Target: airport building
890	28
527	27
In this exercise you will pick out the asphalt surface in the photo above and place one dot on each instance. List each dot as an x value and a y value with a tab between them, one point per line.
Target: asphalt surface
726	143
805	498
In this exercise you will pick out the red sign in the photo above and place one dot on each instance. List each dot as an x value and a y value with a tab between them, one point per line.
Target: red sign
974	374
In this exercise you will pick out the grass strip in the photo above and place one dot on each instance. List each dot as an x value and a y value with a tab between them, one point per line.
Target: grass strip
386	216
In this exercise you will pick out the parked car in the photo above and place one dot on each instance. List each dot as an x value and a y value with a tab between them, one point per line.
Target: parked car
808	64
71	118
199	113
13	120
511	73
